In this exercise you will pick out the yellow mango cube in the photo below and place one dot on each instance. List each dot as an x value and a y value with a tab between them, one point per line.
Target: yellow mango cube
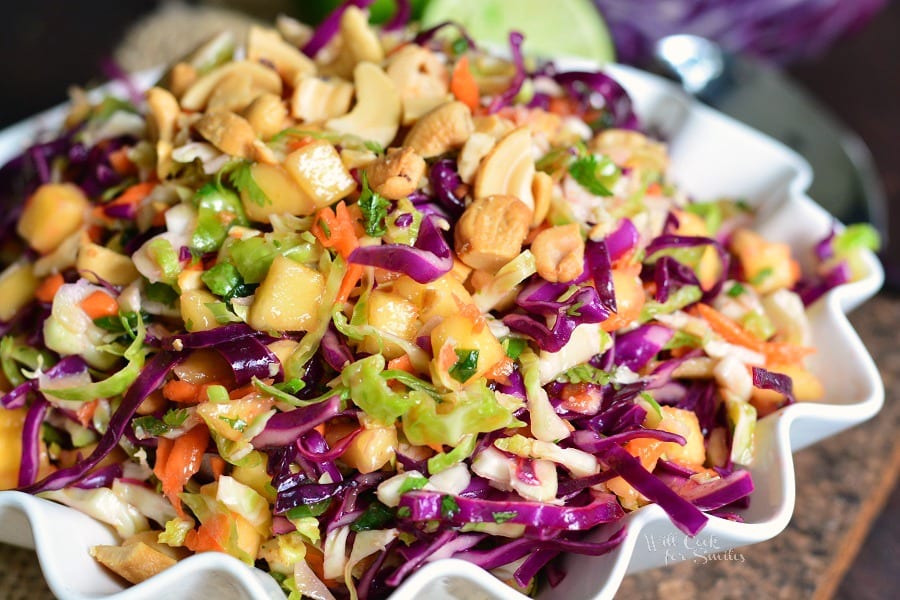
392	314
459	332
283	194
806	388
440	298
288	299
194	310
54	212
95	261
17	286
768	266
11	423
318	170
371	449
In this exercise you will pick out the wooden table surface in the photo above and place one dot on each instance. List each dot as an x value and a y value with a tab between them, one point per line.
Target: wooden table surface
843	539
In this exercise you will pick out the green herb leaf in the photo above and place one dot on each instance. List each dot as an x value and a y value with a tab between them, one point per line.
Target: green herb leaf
593	174
735	290
504	516
466	365
237	424
404	512
176	417
762	275
241	177
449	507
585	373
150	425
374	209
162	293
376	517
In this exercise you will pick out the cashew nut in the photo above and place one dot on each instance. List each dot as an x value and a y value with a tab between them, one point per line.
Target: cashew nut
445	128
421	79
376	115
559	253
316	99
164	111
476	147
396	175
267	115
234	93
228	132
491	231
508	168
268	45
542	188
263	78
493	125
358	41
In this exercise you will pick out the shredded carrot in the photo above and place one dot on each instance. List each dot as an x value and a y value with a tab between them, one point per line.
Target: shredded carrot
99	304
86	412
401	363
120	162
48	287
351	278
654	189
775	352
132	195
217	464
240	392
207	537
463	84
180	462
334	229
182	392
320	428
447	357
500	372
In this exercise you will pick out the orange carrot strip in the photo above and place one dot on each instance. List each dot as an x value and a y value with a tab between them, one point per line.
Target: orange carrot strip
207	537
181	463
334	229
351	278
99	304
775	352
86	412
182	392
217	464
463	84
135	193
120	162
401	363
48	287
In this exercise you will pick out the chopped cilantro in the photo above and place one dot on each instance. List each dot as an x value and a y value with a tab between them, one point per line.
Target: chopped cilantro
150	425
162	293
449	507
237	424
593	174
585	373
465	366
504	516
735	290
375	517
241	177
374	209
762	275
404	512
459	45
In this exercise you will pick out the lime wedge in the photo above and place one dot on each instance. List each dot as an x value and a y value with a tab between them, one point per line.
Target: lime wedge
551	28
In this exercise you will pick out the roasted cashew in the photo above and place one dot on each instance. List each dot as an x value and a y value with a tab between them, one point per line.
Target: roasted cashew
445	128
228	132
376	115
316	99
396	175
267	115
263	78
508	168
559	253
268	45
491	231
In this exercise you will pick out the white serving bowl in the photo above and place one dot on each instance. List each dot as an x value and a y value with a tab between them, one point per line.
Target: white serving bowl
712	156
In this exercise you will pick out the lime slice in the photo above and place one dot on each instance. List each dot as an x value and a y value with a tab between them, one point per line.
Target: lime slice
551	28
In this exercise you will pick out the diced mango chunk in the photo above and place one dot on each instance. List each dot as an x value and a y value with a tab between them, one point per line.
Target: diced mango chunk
440	298
459	332
196	314
54	212
768	266
11	422
806	388
288	299
370	450
96	261
283	194
320	173
392	314
17	286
